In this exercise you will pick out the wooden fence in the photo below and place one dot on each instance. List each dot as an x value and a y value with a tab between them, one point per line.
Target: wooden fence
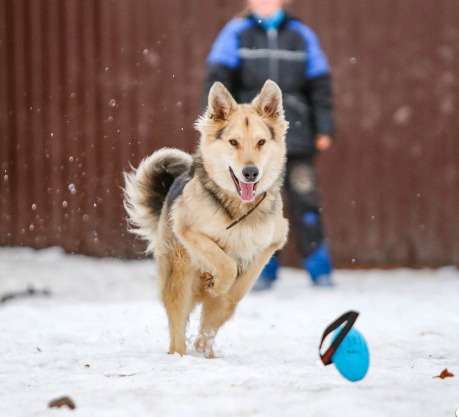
87	86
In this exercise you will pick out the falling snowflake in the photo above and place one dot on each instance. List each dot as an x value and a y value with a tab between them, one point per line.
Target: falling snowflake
72	188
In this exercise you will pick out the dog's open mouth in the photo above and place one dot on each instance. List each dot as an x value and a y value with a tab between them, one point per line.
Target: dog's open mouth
246	190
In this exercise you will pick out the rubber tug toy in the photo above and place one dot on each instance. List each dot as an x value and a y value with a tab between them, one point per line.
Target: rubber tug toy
348	350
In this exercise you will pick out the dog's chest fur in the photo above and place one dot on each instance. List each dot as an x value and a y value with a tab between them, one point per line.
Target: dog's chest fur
245	239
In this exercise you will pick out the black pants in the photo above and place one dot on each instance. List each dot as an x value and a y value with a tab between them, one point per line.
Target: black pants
304	204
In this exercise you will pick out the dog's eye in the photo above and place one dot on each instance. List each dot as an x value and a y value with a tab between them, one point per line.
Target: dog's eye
261	142
233	142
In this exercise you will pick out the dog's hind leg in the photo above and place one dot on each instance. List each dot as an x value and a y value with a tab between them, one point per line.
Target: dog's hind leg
215	312
177	297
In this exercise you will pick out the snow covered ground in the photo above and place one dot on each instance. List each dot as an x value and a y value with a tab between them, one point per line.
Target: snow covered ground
101	339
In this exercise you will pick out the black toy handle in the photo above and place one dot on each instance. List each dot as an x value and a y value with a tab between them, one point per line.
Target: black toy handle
349	318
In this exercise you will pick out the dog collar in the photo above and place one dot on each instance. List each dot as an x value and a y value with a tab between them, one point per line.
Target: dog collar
246	214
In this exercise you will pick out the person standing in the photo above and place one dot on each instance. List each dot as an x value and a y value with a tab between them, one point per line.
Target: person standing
268	43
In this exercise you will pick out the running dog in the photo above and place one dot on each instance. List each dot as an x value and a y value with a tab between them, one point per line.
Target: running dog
215	218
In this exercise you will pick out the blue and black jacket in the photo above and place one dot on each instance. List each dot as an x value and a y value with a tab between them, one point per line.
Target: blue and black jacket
245	54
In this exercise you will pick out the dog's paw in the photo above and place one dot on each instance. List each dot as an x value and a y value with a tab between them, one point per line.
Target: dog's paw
204	344
208	284
221	287
181	350
207	281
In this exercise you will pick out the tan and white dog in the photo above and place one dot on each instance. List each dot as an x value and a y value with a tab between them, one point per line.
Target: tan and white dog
213	219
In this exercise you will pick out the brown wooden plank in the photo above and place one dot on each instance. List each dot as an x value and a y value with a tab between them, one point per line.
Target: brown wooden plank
21	97
6	221
53	131
39	209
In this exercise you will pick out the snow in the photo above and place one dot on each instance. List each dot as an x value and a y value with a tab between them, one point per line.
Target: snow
104	313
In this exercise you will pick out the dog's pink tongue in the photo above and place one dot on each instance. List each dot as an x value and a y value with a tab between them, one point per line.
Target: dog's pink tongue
246	190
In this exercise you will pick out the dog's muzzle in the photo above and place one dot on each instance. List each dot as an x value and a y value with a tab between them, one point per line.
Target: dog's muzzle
246	190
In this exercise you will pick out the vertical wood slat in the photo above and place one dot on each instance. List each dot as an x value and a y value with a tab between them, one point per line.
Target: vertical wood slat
20	100
112	110
451	36
73	97
90	227
38	211
389	186
8	126
5	139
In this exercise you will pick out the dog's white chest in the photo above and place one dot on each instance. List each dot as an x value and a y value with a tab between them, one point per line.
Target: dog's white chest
243	242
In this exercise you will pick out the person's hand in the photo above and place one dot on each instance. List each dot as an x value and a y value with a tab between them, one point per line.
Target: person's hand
323	142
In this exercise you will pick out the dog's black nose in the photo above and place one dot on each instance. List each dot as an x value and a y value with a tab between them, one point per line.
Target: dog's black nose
250	173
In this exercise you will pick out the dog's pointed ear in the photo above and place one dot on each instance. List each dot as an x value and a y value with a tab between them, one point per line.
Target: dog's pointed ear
221	102
269	102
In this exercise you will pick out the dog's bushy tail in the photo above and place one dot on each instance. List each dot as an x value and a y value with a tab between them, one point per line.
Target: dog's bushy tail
146	188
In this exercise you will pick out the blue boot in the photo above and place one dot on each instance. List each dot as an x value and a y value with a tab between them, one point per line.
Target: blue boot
319	266
268	275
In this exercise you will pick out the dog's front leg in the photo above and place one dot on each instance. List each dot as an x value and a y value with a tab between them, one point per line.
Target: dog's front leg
212	258
248	277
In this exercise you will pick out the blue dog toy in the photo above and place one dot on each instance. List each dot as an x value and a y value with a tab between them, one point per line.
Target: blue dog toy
348	350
